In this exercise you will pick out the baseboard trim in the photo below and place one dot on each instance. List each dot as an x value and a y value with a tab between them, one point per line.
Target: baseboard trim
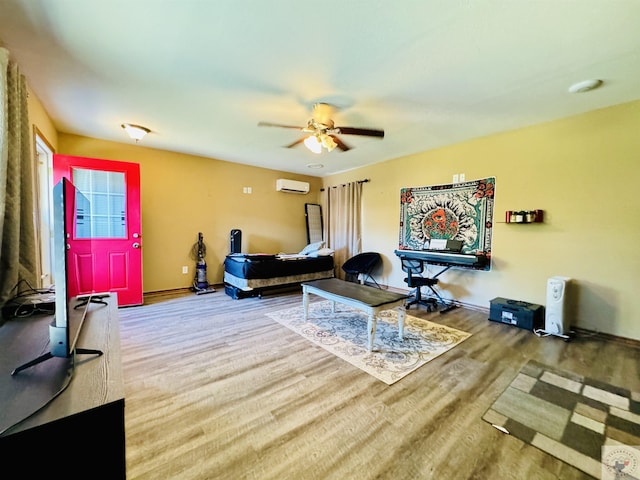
457	303
171	291
606	336
471	306
176	291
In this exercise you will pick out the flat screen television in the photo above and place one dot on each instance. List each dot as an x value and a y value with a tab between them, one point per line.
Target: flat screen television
69	206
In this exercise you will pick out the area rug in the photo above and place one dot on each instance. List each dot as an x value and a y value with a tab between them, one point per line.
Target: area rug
589	424
344	334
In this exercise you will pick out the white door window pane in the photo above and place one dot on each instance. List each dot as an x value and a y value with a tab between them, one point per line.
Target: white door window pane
107	198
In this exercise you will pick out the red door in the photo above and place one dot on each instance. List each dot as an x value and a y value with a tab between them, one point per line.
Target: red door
111	232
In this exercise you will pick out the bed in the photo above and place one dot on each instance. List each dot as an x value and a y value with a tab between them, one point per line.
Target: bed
249	275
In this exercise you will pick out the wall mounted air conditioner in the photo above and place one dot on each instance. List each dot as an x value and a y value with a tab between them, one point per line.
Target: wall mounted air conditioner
291	186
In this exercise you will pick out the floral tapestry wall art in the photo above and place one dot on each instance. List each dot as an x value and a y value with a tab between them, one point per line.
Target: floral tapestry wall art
457	211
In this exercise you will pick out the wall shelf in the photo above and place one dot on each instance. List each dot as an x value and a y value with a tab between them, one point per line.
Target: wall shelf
523	216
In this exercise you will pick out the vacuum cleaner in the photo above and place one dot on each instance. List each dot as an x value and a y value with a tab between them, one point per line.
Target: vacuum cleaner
200	283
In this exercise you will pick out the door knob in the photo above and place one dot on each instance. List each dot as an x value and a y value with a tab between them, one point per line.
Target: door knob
136	245
136	235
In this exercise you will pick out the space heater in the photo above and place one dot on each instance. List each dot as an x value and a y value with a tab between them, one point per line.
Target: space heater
557	319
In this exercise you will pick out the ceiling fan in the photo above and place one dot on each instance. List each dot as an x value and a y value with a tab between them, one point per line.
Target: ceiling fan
323	132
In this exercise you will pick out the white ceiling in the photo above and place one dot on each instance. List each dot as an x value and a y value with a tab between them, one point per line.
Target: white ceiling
201	74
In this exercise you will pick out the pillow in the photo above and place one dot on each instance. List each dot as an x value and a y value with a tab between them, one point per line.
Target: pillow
312	247
322	252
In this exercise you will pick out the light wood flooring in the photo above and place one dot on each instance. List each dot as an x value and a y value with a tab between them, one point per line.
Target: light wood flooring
215	389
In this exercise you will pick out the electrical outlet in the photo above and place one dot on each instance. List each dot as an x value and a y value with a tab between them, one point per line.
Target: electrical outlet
455	178
185	269
462	177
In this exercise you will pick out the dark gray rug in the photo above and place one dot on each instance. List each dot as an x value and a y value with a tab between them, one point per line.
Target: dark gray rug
589	424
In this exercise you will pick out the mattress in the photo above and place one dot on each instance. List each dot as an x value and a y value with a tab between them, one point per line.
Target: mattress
261	271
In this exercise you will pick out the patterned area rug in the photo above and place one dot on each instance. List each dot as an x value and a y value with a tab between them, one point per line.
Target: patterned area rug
589	424
344	334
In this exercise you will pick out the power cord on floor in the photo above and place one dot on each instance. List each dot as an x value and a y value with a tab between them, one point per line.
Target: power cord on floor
541	333
22	305
66	384
30	289
565	336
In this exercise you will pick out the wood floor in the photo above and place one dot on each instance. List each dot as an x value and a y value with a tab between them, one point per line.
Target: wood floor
217	390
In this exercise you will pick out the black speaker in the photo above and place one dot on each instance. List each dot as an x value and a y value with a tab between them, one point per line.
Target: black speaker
236	241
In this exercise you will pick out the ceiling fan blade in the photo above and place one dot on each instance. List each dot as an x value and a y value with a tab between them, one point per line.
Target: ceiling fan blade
341	145
269	124
297	142
361	131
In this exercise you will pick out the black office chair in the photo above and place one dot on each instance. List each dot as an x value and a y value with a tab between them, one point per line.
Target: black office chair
361	265
415	280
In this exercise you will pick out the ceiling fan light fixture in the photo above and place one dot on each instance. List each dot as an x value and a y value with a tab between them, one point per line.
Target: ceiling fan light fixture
321	132
328	142
318	141
313	143
136	132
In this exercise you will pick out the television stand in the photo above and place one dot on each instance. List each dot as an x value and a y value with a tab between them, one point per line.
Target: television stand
91	299
48	355
44	415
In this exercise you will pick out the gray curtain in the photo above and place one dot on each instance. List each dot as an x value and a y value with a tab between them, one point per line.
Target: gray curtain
18	262
342	206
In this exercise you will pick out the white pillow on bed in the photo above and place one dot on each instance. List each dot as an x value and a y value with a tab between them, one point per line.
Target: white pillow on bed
322	252
312	247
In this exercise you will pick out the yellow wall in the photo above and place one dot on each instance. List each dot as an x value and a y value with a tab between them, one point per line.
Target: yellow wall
182	195
583	171
39	118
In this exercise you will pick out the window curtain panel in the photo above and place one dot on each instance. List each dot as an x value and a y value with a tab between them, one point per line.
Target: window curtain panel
17	228
342	226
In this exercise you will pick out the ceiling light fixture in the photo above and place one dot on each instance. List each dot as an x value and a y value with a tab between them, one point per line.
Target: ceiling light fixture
317	141
312	142
585	86
136	132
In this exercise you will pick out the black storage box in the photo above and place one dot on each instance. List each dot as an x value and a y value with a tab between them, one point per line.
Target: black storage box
514	312
237	293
